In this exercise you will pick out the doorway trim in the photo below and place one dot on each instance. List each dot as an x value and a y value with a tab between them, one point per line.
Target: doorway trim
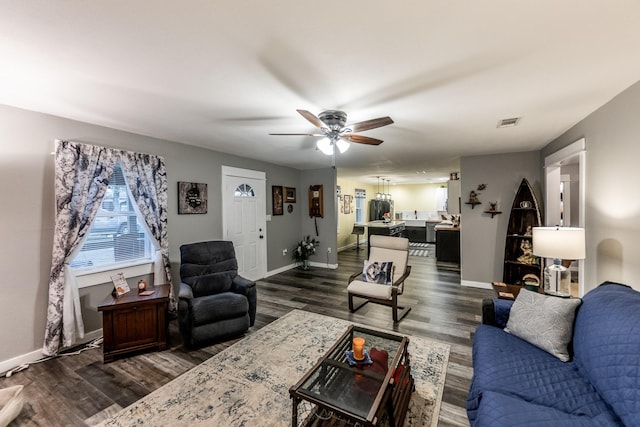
552	164
229	171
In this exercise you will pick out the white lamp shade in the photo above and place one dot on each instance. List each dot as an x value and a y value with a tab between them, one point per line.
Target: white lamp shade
559	242
342	145
325	146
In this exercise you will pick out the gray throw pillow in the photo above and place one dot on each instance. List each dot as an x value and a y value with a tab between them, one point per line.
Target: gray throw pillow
378	272
544	321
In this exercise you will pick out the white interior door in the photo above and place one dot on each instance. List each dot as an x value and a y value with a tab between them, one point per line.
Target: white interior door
244	219
572	156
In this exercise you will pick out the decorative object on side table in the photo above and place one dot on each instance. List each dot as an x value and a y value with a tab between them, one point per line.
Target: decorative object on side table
531	282
305	248
559	243
142	286
120	285
386	217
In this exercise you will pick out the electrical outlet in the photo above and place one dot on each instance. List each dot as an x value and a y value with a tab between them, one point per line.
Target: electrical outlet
284	252
328	250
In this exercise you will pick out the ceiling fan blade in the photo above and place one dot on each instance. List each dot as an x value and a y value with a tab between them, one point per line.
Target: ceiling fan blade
370	124
312	118
298	134
359	139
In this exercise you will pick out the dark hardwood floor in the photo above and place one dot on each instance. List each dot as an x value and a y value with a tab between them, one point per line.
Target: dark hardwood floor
80	390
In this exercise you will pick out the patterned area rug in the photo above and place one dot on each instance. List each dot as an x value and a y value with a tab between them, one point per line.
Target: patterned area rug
422	249
248	383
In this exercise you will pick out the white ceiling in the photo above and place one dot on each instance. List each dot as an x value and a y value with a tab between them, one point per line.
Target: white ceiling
224	74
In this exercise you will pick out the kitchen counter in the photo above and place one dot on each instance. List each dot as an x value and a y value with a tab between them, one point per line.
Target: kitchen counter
393	228
382	224
450	227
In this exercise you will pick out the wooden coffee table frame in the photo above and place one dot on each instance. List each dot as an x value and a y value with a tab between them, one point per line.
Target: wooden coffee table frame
392	398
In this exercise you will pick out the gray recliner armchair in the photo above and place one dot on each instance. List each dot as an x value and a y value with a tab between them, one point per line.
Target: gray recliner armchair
213	301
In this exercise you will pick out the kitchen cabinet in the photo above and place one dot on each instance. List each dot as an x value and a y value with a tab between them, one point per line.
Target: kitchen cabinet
448	245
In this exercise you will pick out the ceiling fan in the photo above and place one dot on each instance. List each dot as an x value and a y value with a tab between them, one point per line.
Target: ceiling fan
334	132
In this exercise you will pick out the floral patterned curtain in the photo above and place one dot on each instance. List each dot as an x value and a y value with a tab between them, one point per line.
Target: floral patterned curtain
146	176
81	178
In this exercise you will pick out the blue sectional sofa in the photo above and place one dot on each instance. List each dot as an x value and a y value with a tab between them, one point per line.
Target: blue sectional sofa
516	383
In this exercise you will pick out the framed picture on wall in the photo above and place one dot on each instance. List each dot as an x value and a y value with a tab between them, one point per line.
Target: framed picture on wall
347	204
289	195
277	199
192	198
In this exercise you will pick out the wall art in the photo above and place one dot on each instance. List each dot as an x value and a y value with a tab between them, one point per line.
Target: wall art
192	198
289	194
277	199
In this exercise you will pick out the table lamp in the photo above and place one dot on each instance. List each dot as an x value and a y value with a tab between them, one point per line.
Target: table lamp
558	243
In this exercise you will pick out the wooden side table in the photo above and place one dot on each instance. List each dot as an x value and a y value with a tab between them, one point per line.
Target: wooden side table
132	322
506	291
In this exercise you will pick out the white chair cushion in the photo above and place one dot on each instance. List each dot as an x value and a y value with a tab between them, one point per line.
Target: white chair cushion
372	290
11	401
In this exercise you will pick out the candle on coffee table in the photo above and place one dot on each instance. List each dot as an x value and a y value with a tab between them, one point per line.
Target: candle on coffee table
358	348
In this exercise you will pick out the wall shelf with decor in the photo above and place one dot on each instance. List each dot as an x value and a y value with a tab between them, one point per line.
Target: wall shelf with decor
519	260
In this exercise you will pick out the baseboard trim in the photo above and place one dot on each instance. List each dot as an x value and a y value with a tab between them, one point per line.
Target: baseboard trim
323	265
294	265
280	270
472	284
34	356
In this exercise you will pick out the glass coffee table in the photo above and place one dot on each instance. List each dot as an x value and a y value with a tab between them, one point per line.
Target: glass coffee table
335	392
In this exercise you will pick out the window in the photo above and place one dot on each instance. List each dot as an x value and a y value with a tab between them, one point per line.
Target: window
244	190
117	236
361	197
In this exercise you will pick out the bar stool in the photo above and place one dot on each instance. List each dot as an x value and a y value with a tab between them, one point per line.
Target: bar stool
358	230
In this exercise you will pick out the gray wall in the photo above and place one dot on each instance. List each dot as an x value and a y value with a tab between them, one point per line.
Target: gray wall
612	214
327	226
482	238
27	219
280	229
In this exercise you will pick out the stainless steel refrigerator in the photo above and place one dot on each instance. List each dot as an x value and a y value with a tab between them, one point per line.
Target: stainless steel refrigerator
377	208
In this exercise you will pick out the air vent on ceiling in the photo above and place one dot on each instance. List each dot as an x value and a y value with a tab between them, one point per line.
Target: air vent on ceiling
507	123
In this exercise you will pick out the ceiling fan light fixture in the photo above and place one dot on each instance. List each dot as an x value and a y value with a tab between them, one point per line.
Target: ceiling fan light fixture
325	146
342	145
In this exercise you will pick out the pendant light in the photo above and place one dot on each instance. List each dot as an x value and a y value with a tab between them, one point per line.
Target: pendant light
378	195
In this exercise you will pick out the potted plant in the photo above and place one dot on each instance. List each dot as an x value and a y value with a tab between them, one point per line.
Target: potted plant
305	248
386	217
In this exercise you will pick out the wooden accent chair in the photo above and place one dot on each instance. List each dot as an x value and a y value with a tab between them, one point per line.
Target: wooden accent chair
383	249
